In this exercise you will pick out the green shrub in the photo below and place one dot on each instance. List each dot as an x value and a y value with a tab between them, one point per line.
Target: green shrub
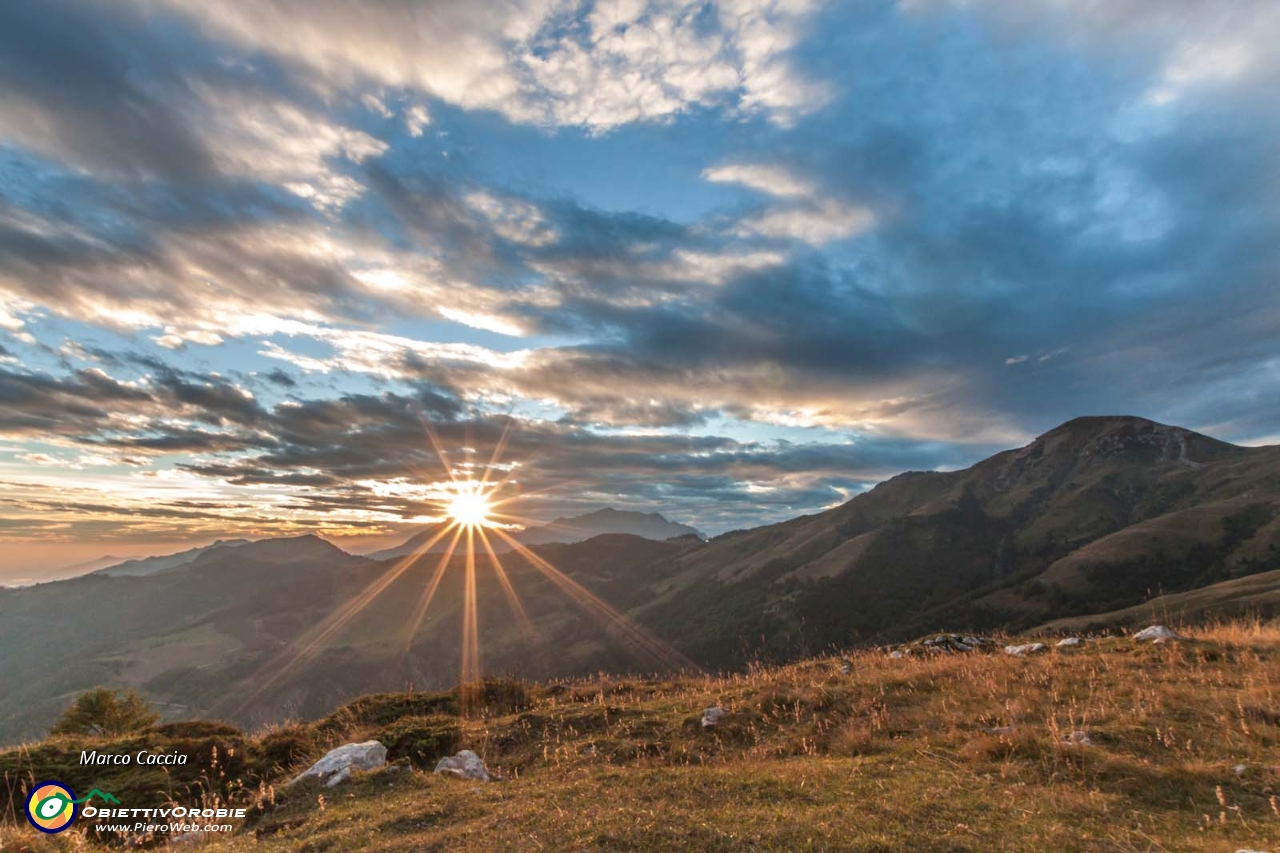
421	740
105	713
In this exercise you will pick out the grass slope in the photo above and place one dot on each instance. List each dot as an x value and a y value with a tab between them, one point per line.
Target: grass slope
895	755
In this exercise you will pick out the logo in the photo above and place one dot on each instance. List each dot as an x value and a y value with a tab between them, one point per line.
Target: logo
51	806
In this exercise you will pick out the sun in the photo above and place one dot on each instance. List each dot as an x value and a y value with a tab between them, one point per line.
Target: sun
470	507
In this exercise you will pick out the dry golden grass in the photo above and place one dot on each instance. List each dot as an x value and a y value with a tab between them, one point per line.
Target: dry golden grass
955	752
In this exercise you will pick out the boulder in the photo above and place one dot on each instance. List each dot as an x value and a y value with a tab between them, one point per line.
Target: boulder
712	717
1024	650
465	765
344	760
1068	642
945	643
1077	739
1154	634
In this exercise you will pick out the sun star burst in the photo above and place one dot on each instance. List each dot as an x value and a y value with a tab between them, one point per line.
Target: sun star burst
470	507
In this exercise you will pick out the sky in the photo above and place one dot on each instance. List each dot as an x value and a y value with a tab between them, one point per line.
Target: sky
732	262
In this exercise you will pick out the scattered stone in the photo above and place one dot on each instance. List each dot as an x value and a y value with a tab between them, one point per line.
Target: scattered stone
945	643
1077	739
1024	650
712	717
465	765
1239	769
369	755
846	668
1068	642
1155	633
1000	730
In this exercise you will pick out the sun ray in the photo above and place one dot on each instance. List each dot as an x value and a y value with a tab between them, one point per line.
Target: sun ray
435	445
429	592
470	627
304	646
602	611
497	452
513	600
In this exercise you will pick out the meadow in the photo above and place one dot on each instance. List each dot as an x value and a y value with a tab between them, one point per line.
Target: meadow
1113	745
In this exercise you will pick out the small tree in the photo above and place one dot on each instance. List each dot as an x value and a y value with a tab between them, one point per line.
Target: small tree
105	712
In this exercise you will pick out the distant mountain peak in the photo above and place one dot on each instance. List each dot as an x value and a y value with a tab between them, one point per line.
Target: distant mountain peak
1135	438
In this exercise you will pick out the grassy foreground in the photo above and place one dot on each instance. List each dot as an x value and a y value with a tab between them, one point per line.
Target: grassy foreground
895	755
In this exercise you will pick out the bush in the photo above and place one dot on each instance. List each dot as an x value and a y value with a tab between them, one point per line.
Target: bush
285	748
103	712
196	729
421	740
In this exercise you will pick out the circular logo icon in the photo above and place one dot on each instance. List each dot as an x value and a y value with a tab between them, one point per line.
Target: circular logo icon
51	807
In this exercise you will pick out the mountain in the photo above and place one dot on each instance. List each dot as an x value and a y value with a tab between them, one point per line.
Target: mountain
648	525
1098	515
89	566
163	563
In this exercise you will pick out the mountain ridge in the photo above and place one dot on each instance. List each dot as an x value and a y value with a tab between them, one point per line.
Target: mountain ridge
648	525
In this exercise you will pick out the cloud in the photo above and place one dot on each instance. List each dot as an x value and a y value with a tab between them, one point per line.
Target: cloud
774	180
901	235
595	65
814	224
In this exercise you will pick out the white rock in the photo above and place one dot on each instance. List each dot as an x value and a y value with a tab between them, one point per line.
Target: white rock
1239	769
1068	642
369	755
1077	739
465	765
1155	632
338	778
895	654
712	717
1024	650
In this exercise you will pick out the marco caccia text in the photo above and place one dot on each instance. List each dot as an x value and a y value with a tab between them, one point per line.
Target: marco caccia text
142	757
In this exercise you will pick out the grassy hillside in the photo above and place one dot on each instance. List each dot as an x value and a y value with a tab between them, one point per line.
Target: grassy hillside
909	754
1249	595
